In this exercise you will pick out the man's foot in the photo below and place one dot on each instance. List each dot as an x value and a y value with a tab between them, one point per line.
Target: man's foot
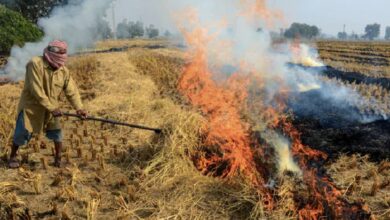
13	163
57	156
57	162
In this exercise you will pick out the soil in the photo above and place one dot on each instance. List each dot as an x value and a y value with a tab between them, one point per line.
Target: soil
370	138
337	128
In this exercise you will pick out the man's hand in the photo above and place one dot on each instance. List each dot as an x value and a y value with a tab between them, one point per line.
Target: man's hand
56	113
82	113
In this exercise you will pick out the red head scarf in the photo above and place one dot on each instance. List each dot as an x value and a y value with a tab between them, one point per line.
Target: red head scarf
56	59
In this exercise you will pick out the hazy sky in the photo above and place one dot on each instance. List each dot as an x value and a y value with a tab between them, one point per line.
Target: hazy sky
328	15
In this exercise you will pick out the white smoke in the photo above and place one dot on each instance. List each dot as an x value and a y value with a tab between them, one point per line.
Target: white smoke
76	23
282	150
304	55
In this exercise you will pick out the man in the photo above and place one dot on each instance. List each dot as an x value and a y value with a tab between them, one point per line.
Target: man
46	79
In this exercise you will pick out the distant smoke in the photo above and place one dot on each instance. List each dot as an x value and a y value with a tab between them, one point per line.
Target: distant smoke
332	103
306	56
76	23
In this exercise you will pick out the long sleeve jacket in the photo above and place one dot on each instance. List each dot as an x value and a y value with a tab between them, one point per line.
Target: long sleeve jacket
41	92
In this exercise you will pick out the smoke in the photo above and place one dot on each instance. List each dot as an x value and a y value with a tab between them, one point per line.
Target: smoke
306	56
76	23
282	150
331	102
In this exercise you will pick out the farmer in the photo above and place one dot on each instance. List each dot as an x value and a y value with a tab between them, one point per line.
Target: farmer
46	79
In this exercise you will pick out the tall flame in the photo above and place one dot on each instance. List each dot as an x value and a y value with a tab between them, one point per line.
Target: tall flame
221	105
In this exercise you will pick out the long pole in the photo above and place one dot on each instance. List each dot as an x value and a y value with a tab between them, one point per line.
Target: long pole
113	20
91	118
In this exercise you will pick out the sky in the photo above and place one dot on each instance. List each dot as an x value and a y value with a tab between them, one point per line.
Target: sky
331	15
328	15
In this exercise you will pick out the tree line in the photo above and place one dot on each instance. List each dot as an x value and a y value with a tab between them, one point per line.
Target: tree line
372	31
18	19
301	30
133	29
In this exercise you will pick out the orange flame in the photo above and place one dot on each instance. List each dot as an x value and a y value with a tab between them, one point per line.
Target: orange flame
325	196
221	106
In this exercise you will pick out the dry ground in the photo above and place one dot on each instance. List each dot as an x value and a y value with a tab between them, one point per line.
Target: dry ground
122	173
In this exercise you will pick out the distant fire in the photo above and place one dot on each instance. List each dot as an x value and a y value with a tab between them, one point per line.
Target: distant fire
301	55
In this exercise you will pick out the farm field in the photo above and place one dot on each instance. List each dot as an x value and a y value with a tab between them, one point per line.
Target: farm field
121	173
369	58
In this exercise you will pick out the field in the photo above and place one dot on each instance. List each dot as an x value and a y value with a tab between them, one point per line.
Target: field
345	69
121	173
369	58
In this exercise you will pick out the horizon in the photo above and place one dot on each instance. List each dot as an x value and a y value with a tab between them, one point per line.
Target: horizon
328	18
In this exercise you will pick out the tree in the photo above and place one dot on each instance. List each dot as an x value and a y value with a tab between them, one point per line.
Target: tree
122	30
15	29
387	35
372	31
342	35
33	9
354	36
167	34
152	32
104	31
130	29
136	29
302	30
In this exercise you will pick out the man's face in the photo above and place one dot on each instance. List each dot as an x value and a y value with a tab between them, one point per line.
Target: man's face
57	50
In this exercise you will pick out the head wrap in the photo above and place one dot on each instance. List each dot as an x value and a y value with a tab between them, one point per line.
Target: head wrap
56	60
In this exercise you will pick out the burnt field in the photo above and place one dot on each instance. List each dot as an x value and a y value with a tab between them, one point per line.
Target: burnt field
347	126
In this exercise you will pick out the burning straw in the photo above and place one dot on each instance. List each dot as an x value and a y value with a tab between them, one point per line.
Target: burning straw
228	148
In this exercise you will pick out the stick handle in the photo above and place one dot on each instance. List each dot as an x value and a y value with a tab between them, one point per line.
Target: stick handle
91	118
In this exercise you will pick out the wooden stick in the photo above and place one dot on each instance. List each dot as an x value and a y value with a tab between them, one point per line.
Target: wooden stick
91	118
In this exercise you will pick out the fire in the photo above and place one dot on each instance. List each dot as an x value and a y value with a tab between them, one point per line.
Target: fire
301	55
229	148
325	196
221	105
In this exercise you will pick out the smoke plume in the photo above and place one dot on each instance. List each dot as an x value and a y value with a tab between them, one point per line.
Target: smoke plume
76	23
